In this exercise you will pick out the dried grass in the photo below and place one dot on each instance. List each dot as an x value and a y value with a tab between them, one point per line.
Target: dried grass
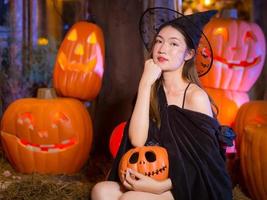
17	186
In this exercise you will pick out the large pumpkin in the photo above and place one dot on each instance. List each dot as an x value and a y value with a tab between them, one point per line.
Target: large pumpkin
228	103
239	53
150	161
251	113
253	160
46	135
80	62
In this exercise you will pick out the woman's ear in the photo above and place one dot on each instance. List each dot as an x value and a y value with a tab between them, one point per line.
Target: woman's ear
189	54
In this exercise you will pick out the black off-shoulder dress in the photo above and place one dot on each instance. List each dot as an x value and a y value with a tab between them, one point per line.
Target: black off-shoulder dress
196	156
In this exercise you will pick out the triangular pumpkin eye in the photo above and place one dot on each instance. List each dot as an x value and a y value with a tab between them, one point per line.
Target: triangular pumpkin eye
72	36
250	36
91	39
221	31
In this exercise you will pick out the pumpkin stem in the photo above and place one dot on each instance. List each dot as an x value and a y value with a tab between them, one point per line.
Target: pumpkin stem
46	93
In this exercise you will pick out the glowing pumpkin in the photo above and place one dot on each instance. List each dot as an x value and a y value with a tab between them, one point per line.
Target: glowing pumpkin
79	65
228	103
115	139
253	160
239	52
46	135
151	161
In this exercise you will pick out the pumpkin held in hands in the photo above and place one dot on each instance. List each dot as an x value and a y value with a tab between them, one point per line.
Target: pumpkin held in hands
150	161
46	135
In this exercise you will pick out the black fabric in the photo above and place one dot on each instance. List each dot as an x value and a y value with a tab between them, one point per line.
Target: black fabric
192	139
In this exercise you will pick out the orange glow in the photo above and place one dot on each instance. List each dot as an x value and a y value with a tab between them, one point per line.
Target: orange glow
221	31
42	41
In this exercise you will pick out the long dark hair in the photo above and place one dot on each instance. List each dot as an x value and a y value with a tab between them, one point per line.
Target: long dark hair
189	73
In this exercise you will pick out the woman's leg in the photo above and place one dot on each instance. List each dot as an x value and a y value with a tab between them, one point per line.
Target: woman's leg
134	195
107	190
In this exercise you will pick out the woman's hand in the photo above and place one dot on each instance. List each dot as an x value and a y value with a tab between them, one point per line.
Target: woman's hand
139	182
151	72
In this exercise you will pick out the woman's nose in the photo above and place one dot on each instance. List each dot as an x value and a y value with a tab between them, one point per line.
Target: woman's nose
162	48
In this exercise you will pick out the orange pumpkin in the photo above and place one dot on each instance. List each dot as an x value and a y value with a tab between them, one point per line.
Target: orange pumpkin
151	161
46	136
79	65
239	52
251	113
253	160
228	103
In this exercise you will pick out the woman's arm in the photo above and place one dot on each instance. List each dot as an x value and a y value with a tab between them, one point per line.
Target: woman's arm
139	182
139	123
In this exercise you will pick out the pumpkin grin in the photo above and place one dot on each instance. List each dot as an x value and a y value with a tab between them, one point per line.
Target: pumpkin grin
238	64
51	148
156	172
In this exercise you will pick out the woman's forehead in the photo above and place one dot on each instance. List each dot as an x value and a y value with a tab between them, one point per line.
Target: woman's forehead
170	33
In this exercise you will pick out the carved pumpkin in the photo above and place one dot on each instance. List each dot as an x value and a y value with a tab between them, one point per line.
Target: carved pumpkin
46	135
151	161
115	139
239	52
80	62
253	160
228	103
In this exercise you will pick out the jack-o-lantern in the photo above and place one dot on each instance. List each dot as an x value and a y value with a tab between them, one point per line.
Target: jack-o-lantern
115	139
46	135
150	161
239	52
80	62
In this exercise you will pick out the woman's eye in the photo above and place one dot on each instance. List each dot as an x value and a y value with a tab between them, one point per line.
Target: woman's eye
174	44
158	41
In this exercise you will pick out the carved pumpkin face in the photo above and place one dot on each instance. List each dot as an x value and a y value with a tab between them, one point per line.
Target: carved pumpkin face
46	136
80	62
239	53
151	161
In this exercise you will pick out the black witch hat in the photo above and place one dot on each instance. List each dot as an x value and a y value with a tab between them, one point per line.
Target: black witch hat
153	19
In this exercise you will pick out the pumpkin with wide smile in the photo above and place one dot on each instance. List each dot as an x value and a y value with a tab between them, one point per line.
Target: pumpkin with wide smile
239	53
46	135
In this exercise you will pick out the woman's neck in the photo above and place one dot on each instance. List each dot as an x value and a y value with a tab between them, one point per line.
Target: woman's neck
173	82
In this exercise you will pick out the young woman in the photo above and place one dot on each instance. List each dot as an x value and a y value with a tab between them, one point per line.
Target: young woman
172	111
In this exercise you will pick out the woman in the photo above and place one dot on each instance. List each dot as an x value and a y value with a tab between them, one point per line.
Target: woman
173	111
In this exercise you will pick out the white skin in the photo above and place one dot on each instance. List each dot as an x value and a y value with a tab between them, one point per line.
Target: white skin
169	55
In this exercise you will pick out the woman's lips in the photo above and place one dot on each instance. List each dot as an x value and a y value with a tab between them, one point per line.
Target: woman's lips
162	59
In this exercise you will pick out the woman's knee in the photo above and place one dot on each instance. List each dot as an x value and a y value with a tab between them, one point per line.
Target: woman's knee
102	189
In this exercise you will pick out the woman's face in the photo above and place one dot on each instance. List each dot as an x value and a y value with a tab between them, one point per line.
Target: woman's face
170	50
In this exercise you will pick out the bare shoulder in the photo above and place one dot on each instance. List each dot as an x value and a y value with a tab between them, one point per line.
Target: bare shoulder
198	100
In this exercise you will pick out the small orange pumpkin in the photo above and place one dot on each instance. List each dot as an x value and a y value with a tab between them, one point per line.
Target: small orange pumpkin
239	53
46	135
150	161
79	65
